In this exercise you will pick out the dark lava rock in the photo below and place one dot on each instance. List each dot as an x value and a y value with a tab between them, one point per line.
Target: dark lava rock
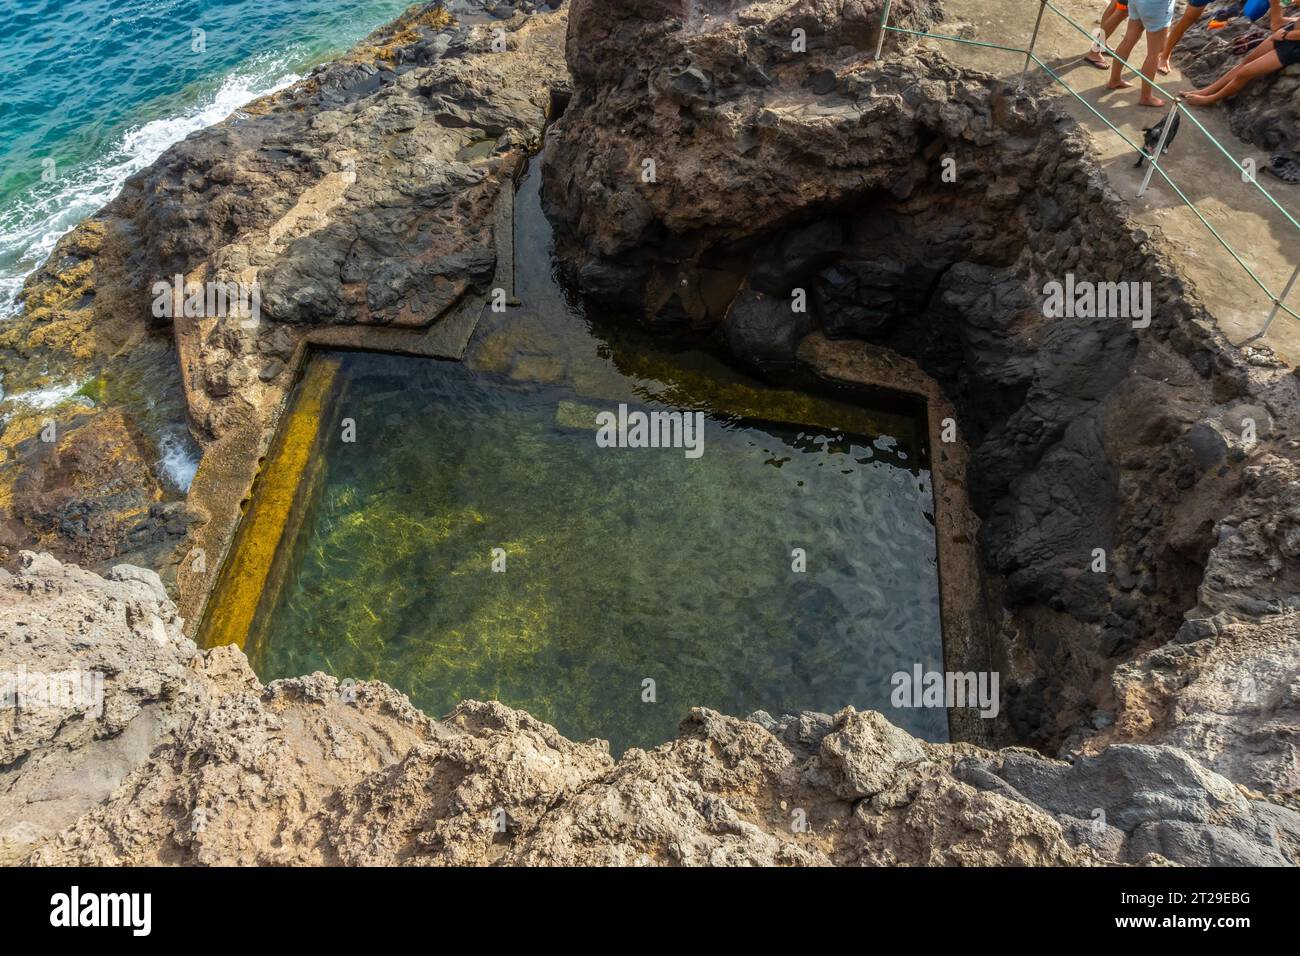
823	82
1207	445
792	259
762	329
857	298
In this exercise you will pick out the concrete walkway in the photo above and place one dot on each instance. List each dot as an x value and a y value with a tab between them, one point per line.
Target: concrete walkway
1261	235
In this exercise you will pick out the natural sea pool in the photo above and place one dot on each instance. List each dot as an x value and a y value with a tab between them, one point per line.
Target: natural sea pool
473	539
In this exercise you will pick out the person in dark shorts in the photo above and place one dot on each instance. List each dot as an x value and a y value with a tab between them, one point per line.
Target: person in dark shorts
1196	8
1279	51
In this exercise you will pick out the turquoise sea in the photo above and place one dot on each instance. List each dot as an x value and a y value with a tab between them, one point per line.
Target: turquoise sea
92	91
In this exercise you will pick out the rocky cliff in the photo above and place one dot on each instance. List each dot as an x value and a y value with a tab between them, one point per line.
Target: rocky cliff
195	762
920	208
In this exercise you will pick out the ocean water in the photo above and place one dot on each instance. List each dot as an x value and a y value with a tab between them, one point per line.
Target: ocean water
92	91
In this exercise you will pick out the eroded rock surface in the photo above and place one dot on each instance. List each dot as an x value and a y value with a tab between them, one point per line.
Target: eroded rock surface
94	676
197	763
363	198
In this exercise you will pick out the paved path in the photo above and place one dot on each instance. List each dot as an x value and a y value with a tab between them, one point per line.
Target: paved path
1258	231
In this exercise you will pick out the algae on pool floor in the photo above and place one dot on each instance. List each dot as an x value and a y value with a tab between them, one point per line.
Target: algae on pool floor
621	565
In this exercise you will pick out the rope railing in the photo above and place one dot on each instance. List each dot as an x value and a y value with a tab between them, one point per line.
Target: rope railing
1155	166
1174	97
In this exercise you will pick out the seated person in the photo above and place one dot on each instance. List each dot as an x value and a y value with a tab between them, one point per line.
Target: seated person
1280	50
1195	8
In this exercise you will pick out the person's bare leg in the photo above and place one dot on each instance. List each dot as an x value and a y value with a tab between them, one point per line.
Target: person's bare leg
1117	16
1112	18
1236	79
1155	47
1117	81
1266	47
1214	87
1262	50
1190	16
1275	19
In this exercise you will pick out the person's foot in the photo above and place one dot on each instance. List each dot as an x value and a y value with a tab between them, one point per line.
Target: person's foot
1097	59
1162	65
1120	84
1197	99
1152	101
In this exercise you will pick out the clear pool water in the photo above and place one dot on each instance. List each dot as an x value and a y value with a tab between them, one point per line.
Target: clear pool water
622	566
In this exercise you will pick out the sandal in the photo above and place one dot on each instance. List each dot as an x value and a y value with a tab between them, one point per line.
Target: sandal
1284	168
1247	42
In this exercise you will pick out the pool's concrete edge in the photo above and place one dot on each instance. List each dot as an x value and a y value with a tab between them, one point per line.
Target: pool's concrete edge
228	476
968	608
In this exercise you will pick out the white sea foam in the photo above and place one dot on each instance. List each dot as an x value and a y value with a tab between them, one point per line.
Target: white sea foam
31	225
44	397
179	459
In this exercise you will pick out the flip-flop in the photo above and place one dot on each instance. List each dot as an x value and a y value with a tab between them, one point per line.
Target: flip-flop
1247	42
1091	62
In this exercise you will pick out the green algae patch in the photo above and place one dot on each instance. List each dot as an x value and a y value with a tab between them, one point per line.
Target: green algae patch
251	566
415	23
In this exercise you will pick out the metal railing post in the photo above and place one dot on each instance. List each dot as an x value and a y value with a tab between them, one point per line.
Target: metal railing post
1160	150
1029	54
884	25
1277	306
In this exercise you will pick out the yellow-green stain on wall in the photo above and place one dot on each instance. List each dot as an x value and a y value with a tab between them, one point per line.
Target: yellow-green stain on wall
243	579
